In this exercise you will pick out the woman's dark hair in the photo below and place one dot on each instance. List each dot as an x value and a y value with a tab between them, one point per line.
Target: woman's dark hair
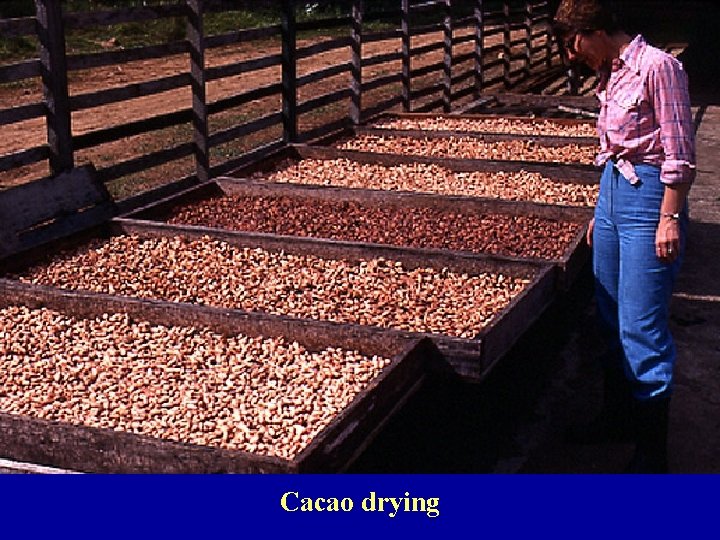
584	16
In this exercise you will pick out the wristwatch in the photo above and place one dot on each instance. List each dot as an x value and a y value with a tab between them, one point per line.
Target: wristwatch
675	216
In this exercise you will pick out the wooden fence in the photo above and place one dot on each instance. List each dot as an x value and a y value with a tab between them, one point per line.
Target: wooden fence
477	51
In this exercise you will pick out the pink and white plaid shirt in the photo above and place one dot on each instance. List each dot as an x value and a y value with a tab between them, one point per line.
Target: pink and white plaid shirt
645	114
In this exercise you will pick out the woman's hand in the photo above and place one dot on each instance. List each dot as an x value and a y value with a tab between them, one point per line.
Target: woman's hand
589	234
667	239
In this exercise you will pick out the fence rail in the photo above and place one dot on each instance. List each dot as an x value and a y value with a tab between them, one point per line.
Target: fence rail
471	54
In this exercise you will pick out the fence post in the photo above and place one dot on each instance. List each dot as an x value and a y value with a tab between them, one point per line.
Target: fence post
447	59
405	29
289	72
196	39
479	38
549	38
528	38
506	43
51	34
358	10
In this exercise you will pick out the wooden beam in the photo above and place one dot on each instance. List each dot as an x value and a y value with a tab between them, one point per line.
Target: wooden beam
55	84
196	39
358	10
289	71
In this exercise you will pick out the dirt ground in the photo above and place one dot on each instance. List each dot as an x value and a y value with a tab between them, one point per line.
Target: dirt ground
31	133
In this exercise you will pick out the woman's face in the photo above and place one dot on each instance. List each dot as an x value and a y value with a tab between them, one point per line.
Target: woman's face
589	48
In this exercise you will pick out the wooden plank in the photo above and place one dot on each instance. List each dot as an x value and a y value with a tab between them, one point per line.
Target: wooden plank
459	40
342	124
17	467
432	105
146	197
322	101
356	85
381	107
381	59
196	41
28	204
325	73
89	19
406	55
131	91
102	136
506	43
426	70
22	112
146	161
24	157
447	56
463	77
254	155
425	49
242	36
381	81
55	85
231	70
17	27
67	203
289	71
235	132
323	24
479	46
386	35
468	91
21	70
109	58
427	91
244	98
324	46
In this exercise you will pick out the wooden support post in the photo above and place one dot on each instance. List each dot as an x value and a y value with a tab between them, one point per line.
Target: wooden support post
447	59
51	34
405	28
358	10
289	72
479	38
528	38
196	39
506	43
549	40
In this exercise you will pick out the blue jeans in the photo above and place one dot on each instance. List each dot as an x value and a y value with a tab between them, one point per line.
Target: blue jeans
632	285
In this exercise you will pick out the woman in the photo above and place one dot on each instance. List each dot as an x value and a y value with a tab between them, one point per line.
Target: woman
647	152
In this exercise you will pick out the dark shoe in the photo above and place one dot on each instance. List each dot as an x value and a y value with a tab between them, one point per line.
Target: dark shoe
607	427
615	421
651	437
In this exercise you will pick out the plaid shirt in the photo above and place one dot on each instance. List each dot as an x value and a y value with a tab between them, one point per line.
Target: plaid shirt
645	114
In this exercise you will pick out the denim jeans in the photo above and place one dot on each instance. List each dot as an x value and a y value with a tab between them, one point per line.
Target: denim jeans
632	285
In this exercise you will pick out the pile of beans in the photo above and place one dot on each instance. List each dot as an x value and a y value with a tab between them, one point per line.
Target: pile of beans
514	186
374	292
425	227
472	148
186	384
539	126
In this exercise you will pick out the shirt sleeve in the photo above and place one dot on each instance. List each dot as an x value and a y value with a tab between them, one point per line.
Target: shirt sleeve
668	88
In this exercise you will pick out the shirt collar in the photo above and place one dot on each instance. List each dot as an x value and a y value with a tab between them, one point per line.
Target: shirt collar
633	53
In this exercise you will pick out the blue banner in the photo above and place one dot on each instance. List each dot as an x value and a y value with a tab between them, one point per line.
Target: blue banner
355	506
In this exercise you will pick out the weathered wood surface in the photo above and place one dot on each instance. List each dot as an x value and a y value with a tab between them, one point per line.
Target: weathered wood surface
34	213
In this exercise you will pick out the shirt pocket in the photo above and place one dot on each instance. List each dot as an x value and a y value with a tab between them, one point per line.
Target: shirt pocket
624	109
